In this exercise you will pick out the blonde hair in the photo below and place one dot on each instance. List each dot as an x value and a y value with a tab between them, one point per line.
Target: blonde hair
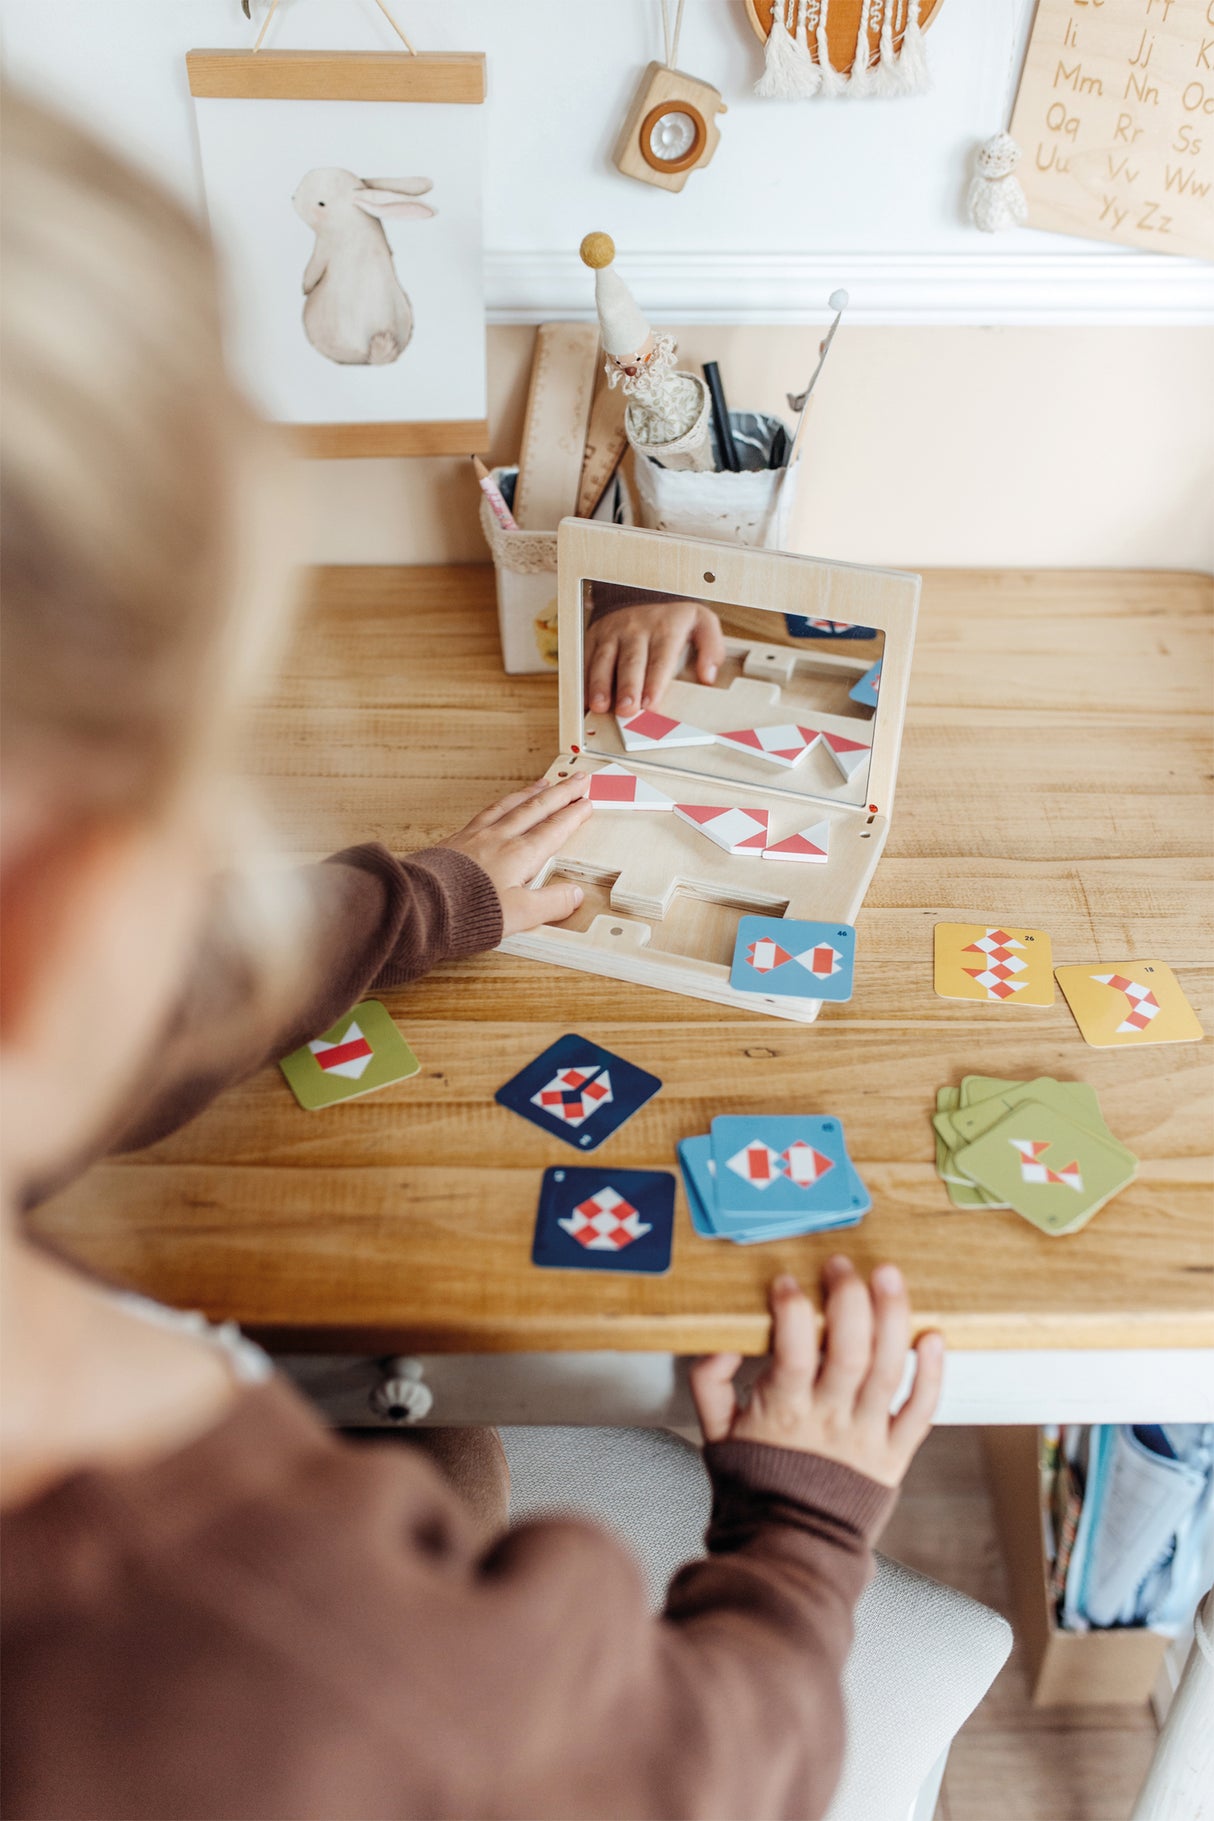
127	463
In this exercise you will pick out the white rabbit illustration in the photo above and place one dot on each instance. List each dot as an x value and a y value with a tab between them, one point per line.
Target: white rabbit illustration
355	311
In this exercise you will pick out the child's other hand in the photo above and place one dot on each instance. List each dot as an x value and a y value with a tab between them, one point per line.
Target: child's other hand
511	841
632	654
834	1403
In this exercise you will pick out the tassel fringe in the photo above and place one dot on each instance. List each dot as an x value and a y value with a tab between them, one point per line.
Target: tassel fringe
861	82
789	72
833	82
914	77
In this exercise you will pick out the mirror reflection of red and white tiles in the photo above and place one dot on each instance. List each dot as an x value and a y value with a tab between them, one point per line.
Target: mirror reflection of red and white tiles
785	744
737	831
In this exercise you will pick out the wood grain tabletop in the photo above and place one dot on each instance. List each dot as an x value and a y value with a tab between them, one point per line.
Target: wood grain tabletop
1055	772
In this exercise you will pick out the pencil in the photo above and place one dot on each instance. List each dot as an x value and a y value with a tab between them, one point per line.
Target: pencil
493	494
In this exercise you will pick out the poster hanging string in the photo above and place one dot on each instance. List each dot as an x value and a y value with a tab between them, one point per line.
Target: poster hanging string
273	8
672	40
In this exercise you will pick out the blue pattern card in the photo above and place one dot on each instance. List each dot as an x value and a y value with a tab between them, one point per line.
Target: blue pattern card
745	1230
795	1165
578	1091
605	1220
699	1183
787	959
695	1161
867	690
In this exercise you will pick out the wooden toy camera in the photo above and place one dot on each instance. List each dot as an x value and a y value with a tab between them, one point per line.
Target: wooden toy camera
800	730
670	130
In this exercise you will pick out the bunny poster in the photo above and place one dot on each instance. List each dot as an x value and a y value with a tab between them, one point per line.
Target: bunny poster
352	247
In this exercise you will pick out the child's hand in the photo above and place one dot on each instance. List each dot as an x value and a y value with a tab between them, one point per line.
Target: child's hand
632	654
512	839
836	1405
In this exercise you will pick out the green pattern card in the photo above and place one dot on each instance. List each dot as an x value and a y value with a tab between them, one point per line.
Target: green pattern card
361	1052
1075	1100
960	1190
1051	1170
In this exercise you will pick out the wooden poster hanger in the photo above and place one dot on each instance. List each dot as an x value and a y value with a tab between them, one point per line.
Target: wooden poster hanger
455	78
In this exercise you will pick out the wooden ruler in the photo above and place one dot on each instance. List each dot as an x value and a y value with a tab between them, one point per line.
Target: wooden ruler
554	429
605	444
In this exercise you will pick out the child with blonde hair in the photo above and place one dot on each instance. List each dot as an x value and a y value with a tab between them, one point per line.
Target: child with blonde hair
211	1605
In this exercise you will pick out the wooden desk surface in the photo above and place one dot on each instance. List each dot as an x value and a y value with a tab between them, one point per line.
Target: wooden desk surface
1053	773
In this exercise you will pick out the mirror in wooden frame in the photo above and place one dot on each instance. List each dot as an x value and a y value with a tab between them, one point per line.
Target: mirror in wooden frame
663	891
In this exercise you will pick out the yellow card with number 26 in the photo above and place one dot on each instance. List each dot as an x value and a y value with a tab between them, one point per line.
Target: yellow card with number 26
994	963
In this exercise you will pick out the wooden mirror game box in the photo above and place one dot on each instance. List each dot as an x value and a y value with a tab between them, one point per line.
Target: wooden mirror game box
766	790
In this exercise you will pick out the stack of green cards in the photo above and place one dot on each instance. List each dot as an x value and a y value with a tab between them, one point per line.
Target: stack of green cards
1040	1147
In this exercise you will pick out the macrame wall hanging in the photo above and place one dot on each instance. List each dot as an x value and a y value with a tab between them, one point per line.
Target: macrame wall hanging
842	47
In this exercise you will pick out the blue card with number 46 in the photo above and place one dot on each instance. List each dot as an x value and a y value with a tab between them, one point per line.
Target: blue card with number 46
771	1167
785	958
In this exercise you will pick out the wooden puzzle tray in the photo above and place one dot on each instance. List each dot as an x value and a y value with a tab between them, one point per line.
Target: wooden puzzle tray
662	901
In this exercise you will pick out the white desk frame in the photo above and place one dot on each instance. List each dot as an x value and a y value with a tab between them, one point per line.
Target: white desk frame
650	1389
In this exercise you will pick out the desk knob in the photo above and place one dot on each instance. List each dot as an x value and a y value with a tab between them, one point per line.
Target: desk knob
401	1397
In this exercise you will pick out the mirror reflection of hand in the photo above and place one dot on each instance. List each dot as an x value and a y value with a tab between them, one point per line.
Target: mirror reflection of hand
634	652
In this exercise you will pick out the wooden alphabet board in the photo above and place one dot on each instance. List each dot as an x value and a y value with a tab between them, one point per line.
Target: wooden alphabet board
1115	118
662	903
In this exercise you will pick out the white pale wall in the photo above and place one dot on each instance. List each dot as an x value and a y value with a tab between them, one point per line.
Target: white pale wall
1026	399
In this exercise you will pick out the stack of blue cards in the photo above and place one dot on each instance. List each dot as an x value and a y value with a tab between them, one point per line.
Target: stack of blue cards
758	1178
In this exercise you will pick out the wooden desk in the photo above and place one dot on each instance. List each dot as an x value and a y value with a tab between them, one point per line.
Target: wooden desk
1053	773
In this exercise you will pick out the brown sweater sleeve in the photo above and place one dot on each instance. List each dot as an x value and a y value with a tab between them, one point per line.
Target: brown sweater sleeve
275	1623
369	922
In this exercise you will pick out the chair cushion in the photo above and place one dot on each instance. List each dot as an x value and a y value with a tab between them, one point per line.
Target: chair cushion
923	1658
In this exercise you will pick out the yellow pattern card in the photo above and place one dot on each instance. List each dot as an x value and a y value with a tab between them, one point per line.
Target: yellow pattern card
994	963
1129	1002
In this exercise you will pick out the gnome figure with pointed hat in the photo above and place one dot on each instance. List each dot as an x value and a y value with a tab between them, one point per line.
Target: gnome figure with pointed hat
667	415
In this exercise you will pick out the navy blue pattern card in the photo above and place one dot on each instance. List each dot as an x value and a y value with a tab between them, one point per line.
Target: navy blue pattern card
578	1091
605	1220
805	626
787	959
769	1166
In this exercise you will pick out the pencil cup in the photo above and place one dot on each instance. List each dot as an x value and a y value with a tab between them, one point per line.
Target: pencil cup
524	563
750	507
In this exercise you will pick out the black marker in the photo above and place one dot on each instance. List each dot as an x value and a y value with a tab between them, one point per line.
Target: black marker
720	417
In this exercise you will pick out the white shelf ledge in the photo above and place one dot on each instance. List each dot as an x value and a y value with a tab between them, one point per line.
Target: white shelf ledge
986	286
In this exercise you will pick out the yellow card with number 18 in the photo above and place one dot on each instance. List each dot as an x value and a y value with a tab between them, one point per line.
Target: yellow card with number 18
994	963
1129	1003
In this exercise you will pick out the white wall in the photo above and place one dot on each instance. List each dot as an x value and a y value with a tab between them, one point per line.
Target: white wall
800	197
1085	442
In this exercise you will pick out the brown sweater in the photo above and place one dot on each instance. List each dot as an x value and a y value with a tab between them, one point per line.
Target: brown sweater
372	922
272	1623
